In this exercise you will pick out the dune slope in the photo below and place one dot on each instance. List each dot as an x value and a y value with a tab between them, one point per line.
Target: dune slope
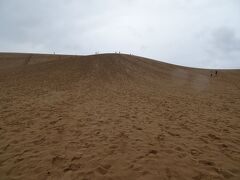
115	116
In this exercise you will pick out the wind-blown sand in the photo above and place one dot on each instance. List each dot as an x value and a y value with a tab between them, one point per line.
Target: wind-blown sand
116	116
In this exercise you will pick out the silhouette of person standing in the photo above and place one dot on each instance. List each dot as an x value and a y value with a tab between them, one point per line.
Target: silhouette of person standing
216	72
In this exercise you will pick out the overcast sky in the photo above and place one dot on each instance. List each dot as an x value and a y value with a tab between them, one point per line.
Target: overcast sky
197	33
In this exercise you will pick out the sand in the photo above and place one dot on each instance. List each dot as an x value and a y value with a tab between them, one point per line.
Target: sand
116	116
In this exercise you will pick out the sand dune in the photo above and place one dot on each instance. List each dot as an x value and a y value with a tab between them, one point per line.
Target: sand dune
115	116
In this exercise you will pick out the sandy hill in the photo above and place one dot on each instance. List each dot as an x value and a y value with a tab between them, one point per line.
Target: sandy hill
116	116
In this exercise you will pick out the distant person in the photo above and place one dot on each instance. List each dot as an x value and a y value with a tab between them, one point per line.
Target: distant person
216	72
211	74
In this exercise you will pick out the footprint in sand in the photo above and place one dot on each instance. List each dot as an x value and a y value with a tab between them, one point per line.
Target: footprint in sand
160	138
73	167
195	152
168	173
58	161
39	141
173	134
153	151
207	162
137	128
225	173
213	137
103	169
178	148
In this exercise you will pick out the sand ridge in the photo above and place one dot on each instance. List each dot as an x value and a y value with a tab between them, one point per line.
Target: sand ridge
116	116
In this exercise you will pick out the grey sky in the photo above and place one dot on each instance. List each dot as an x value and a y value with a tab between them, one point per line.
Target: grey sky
198	33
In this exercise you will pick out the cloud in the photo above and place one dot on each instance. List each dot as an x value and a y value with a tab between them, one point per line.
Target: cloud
224	47
226	40
191	33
